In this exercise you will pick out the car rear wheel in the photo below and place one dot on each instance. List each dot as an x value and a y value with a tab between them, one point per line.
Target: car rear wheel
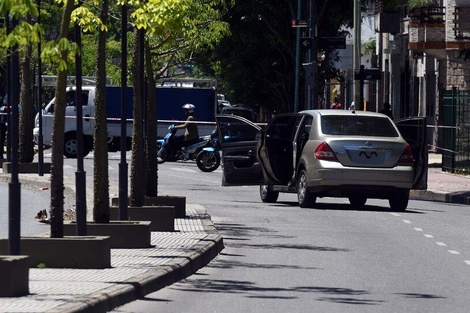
399	200
305	198
267	194
357	201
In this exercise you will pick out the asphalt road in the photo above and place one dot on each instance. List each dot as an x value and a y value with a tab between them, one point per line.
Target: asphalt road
332	258
32	200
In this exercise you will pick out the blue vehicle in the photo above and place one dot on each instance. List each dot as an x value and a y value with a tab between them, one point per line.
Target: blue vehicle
208	160
170	149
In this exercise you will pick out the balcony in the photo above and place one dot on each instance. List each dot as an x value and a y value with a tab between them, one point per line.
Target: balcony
427	31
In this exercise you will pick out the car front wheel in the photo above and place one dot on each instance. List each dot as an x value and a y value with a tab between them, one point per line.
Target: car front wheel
399	200
305	198
267	195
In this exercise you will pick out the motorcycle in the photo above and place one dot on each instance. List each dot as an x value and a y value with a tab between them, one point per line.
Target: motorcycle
170	149
208	159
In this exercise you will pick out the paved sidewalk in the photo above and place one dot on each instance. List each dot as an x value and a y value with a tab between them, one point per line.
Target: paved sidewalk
136	272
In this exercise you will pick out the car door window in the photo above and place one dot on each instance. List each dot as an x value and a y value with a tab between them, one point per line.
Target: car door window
236	130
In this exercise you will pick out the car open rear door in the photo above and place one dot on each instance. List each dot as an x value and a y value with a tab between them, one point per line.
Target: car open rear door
413	130
238	138
277	148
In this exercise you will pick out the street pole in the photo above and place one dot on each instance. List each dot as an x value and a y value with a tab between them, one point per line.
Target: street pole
123	185
14	187
358	101
297	59
313	103
80	174
39	106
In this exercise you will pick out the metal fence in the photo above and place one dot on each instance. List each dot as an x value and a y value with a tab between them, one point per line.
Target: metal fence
455	140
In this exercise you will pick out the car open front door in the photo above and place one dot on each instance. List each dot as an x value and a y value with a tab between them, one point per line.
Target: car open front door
413	129
238	139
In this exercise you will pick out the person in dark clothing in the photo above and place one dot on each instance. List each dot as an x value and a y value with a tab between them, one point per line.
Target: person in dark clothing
387	110
3	126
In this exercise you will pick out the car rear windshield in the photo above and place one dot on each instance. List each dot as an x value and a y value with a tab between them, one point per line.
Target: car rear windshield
354	125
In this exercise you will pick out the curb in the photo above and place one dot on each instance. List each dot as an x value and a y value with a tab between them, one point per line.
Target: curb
155	279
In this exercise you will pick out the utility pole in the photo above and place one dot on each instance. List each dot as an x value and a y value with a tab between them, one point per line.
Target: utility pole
313	103
358	101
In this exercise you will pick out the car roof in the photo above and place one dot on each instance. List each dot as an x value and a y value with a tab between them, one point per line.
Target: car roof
325	112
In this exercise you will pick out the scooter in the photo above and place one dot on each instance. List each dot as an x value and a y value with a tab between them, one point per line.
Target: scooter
208	159
169	148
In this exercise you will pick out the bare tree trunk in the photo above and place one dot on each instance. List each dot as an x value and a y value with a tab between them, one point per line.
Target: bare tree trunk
151	128
100	161
26	145
57	158
137	162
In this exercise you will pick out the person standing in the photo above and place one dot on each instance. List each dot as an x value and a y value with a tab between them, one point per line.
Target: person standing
336	104
3	125
387	110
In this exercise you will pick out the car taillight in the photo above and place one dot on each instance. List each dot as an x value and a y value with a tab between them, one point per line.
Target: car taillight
324	152
407	156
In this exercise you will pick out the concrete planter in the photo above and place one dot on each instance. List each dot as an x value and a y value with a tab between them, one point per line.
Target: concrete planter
67	252
123	234
162	218
24	168
178	202
14	275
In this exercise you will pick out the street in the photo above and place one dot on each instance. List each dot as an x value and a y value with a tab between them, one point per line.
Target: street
32	200
331	258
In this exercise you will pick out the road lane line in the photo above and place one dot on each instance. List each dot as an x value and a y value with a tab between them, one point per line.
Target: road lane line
407	221
395	214
441	244
428	236
453	252
418	229
467	261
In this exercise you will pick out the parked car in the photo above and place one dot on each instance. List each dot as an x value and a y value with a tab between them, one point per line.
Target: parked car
327	153
239	111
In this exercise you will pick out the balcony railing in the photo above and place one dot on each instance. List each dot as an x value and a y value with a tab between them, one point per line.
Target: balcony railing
462	22
428	15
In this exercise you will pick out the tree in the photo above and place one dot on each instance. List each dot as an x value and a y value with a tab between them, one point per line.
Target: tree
256	64
57	158
100	160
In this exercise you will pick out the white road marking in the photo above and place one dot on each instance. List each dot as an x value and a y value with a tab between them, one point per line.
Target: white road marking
418	229
453	252
395	214
407	221
182	170
441	244
428	236
467	261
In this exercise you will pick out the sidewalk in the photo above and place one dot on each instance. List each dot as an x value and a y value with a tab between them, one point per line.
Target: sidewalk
136	272
133	273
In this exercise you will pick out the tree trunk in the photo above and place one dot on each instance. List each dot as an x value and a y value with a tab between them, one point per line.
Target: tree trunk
57	158
26	145
100	160
137	162
151	128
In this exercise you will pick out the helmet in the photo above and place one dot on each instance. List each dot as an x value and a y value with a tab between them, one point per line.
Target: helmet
190	107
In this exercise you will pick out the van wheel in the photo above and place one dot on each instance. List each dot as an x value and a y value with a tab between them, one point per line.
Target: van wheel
70	146
399	200
305	198
267	194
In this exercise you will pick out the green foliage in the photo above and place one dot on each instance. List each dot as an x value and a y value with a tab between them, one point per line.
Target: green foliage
370	46
413	4
41	266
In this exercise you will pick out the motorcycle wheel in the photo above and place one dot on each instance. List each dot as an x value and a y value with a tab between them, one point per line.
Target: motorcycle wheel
207	161
162	155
